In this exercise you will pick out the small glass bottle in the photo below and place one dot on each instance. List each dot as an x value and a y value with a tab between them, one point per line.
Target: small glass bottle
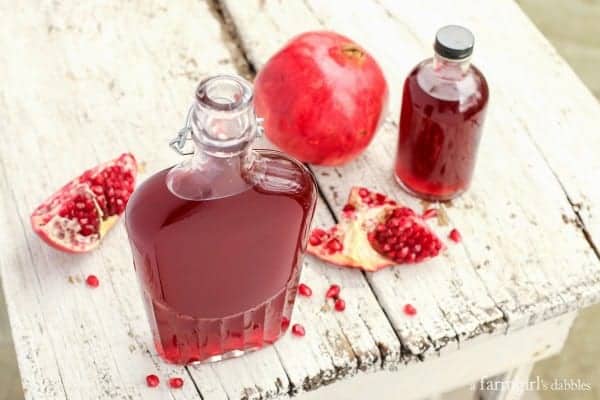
218	240
443	108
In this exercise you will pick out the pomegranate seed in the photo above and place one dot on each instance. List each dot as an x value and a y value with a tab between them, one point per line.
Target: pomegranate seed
455	235
340	305
92	281
334	246
404	252
348	208
430	213
152	380
298	330
333	292
304	290
176	383
362	192
379	198
410	310
319	232
285	322
314	240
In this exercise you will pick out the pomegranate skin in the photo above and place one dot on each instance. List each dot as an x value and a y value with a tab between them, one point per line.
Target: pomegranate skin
322	98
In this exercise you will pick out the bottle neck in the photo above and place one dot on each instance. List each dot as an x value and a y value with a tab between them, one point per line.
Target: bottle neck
223	126
451	69
223	120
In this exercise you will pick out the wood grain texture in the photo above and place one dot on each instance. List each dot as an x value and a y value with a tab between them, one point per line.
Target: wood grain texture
83	82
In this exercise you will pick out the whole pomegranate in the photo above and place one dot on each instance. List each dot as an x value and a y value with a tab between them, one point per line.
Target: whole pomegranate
76	217
322	98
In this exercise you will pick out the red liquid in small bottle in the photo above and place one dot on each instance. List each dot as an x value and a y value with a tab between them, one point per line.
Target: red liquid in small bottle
440	128
212	281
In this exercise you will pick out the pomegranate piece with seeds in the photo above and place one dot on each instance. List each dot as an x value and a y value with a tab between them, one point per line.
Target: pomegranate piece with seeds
77	216
376	233
404	238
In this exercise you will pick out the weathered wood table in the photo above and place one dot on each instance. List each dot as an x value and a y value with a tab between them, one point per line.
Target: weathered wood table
83	81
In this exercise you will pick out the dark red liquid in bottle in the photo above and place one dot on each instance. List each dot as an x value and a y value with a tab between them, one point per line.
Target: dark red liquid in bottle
443	108
219	276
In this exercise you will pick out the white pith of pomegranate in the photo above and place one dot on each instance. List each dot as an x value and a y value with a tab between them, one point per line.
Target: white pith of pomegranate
375	232
76	217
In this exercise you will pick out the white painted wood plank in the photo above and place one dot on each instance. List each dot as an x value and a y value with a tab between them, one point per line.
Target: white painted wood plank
96	87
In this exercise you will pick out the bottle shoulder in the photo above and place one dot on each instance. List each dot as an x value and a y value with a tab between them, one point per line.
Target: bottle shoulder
268	171
468	87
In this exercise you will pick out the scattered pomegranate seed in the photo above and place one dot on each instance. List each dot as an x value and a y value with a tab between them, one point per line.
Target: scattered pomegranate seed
333	292
340	305
152	380
430	213
410	310
304	290
285	322
176	383
92	281
455	235
362	192
298	330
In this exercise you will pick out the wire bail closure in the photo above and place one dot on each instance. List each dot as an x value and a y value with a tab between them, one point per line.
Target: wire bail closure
178	143
184	134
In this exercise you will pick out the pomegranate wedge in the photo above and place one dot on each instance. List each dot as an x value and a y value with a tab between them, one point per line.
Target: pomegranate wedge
375	232
76	217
